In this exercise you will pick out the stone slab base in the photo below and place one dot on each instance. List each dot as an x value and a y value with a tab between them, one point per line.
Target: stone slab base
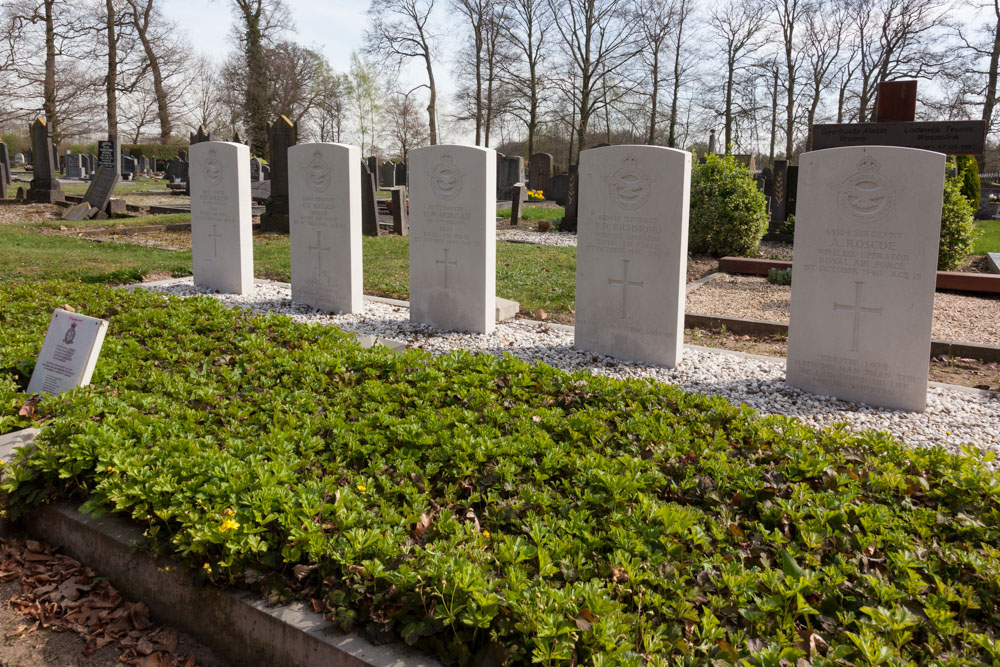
507	309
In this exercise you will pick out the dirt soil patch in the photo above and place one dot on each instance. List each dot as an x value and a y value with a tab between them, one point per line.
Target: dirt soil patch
56	611
13	213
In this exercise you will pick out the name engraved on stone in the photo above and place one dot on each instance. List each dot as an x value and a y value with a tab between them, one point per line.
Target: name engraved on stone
625	283
858	310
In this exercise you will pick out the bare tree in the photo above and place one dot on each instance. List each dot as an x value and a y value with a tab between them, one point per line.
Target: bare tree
683	14
738	26
298	76
366	101
404	120
399	28
528	26
598	40
823	39
986	50
655	20
788	14
477	14
159	47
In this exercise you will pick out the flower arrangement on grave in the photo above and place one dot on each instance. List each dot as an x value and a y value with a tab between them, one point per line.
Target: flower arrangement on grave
994	198
535	195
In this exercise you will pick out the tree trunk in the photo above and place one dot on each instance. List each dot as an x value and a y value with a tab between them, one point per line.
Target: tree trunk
989	103
790	105
432	130
731	74
672	134
479	87
256	102
774	117
162	110
111	81
651	137
49	84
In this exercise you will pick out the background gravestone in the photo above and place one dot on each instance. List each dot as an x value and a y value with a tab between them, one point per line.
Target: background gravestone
19	159
558	189
256	176
866	248
540	171
75	166
140	164
221	238
510	171
5	161
109	155
369	206
281	135
194	138
791	189
373	162
388	180
569	221
780	197
400	221
266	171
128	167
325	226
453	237
400	173
632	252
44	184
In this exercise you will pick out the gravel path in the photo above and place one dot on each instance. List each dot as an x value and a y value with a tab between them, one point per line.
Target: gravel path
562	239
957	317
952	418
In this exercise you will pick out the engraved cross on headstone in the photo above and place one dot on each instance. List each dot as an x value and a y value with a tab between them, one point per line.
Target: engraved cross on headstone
446	263
319	250
858	311
215	236
625	283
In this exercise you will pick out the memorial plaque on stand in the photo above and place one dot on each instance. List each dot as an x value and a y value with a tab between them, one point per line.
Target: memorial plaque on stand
69	353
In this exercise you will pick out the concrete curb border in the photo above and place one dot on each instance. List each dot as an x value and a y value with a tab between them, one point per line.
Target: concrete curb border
238	626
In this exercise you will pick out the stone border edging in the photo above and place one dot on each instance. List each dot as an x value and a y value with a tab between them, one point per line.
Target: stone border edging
238	626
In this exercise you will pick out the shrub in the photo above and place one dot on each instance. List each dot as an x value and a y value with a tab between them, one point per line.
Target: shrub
789	227
159	151
780	276
958	231
728	212
968	172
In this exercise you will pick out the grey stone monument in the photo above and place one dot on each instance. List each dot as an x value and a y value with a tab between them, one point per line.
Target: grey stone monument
44	184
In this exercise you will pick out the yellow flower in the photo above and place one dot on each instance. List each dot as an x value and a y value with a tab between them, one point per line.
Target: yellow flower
362	488
229	524
486	534
207	567
112	469
229	512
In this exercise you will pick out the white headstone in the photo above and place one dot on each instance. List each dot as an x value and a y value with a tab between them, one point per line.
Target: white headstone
867	226
221	238
453	237
631	264
324	201
69	353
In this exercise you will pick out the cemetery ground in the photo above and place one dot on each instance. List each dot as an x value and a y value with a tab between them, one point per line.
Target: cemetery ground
692	528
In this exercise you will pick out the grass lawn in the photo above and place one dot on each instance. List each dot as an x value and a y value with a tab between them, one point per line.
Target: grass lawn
535	212
493	512
169	219
990	240
137	186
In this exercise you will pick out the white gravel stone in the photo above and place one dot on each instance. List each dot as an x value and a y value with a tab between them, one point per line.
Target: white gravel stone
562	239
954	417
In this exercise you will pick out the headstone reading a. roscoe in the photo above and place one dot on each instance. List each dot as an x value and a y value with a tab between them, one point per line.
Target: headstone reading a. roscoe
281	135
632	252
44	184
540	171
69	353
221	239
325	226
453	237
866	247
369	205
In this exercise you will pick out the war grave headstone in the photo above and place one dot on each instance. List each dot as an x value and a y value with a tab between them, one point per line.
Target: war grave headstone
388	176
69	353
369	205
44	186
5	161
281	135
540	171
255	173
400	220
453	237
400	173
325	226
221	238
632	252
866	246
75	166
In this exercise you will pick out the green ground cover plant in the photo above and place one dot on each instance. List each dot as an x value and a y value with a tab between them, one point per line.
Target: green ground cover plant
492	512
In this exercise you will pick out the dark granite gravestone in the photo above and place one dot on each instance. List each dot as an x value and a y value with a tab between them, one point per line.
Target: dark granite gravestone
75	166
183	155
400	222
4	177
558	189
369	207
29	158
266	171
200	136
387	179
792	180
109	155
373	165
152	165
128	167
256	175
140	164
400	174
780	197
540	171
44	184
768	177
5	161
517	203
572	201
91	161
99	193
281	135
510	171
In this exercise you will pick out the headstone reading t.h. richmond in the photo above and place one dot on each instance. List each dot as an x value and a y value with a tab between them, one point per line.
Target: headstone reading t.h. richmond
281	135
69	353
453	237
221	239
325	226
866	247
44	184
632	252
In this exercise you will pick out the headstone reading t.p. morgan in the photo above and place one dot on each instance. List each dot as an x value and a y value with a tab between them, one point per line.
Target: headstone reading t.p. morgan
453	237
221	239
866	247
632	252
325	226
69	353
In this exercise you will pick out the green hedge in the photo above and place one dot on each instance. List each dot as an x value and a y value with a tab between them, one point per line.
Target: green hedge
493	512
728	212
958	227
159	151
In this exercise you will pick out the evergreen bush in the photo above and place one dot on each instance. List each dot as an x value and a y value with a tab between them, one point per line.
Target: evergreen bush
728	212
968	172
958	231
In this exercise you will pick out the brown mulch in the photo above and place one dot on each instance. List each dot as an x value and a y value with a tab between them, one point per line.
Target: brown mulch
61	595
